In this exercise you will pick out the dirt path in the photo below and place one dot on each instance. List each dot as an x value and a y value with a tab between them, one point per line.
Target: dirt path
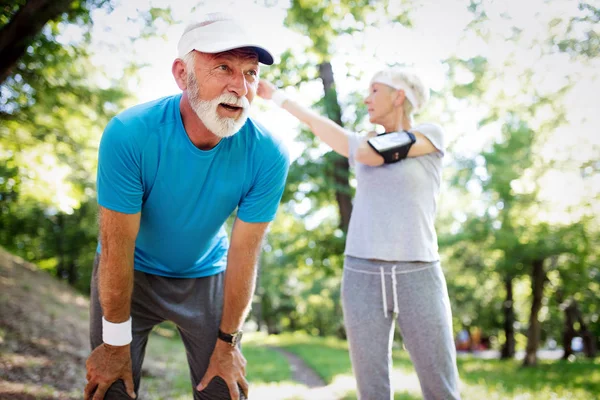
301	372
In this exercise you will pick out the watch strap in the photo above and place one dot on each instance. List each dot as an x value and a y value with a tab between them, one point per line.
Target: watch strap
231	338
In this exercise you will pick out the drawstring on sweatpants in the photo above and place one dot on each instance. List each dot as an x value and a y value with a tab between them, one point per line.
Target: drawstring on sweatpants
384	302
394	291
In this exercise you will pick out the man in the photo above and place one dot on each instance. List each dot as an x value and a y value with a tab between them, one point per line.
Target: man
170	172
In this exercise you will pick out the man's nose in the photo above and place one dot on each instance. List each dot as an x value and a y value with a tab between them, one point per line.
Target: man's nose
238	85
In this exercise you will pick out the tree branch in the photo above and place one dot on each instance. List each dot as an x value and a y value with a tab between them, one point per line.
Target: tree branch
23	27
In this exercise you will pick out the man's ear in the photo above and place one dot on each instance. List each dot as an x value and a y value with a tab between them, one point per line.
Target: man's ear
180	73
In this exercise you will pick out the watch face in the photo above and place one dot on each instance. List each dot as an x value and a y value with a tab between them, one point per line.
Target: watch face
237	337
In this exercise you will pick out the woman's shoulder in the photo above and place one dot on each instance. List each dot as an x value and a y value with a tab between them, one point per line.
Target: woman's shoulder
429	127
434	132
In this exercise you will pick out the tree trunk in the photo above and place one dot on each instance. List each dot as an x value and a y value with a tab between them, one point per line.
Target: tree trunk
568	331
538	279
23	27
72	273
589	344
589	340
61	267
341	171
508	348
572	315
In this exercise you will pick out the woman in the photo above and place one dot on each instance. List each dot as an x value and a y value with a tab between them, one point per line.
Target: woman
392	268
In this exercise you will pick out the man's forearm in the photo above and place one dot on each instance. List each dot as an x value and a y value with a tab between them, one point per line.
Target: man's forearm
240	281
116	285
118	232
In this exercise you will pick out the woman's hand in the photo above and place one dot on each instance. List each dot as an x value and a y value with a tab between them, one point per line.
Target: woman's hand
265	89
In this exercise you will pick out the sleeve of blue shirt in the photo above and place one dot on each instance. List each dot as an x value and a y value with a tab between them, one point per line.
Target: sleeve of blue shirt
119	180
262	201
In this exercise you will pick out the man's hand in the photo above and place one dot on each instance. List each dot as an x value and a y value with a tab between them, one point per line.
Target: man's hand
228	363
105	365
265	89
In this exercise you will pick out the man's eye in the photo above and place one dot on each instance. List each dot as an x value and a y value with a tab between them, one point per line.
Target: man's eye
223	67
252	72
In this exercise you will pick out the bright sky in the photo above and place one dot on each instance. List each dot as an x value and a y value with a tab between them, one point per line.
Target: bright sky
437	33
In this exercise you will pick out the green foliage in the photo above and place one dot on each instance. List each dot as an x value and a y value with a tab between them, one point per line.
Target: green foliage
581	37
300	274
504	232
323	21
52	112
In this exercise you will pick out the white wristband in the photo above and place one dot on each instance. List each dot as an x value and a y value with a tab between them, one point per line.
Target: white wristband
279	97
116	334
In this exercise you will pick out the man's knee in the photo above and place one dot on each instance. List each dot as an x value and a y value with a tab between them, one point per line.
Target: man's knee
117	391
217	390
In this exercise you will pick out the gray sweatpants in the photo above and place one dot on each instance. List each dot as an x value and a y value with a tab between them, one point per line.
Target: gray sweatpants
373	293
194	305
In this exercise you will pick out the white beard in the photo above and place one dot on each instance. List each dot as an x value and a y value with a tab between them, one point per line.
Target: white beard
206	110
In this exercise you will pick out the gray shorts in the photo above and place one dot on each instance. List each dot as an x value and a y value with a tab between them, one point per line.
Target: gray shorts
194	305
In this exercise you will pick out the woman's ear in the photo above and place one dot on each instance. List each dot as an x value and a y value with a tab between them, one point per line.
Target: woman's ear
400	96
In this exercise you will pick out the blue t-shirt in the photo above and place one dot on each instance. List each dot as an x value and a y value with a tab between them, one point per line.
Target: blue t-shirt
147	163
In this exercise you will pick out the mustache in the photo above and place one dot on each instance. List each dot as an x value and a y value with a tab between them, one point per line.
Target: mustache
231	99
226	97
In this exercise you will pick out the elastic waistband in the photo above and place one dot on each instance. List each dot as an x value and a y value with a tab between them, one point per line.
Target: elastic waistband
375	267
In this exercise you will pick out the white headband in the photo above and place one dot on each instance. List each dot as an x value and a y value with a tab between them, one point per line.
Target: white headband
408	92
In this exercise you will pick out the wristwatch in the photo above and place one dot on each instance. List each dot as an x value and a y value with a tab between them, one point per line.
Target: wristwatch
232	338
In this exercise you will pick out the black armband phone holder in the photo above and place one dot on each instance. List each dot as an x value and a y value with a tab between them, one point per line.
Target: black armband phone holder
392	146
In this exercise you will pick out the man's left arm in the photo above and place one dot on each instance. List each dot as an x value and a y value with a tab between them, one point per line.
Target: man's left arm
227	361
240	275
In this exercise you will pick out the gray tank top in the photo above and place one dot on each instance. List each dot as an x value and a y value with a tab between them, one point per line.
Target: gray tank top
394	208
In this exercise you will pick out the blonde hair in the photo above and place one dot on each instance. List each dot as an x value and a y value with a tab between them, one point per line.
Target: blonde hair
417	94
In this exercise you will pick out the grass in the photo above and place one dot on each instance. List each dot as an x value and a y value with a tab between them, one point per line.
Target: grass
327	356
269	373
489	379
495	379
330	359
165	353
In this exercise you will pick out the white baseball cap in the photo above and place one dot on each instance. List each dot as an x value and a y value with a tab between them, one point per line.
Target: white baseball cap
217	32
